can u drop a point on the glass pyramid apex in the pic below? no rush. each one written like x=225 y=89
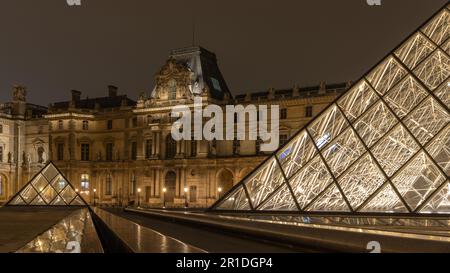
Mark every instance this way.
x=47 y=188
x=381 y=147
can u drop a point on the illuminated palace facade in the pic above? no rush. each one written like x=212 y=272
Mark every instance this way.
x=119 y=151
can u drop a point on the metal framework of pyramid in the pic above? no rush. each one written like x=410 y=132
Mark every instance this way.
x=47 y=188
x=381 y=147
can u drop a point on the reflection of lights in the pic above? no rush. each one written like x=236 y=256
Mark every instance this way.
x=323 y=140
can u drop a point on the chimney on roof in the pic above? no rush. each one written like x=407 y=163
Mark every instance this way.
x=322 y=88
x=112 y=91
x=76 y=95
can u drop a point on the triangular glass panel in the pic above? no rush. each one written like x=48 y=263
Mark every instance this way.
x=264 y=182
x=361 y=180
x=415 y=50
x=417 y=180
x=78 y=202
x=327 y=126
x=440 y=202
x=438 y=28
x=38 y=201
x=58 y=201
x=310 y=181
x=236 y=201
x=386 y=75
x=357 y=100
x=434 y=70
x=427 y=120
x=386 y=201
x=439 y=149
x=330 y=200
x=48 y=183
x=282 y=201
x=17 y=201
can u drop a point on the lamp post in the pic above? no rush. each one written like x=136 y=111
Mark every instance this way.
x=185 y=197
x=164 y=197
x=220 y=191
x=139 y=197
x=95 y=190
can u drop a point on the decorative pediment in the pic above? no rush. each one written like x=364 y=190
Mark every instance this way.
x=174 y=70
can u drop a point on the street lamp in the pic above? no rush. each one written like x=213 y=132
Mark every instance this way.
x=220 y=191
x=185 y=197
x=95 y=190
x=164 y=197
x=139 y=197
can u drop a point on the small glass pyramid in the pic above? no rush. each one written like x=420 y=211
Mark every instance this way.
x=381 y=147
x=47 y=188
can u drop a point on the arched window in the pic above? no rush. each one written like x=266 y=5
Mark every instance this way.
x=172 y=90
x=171 y=147
x=108 y=184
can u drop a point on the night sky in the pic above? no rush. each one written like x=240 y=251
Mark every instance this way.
x=52 y=48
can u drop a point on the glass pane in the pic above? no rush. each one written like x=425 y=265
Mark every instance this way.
x=281 y=201
x=357 y=100
x=264 y=181
x=236 y=201
x=446 y=46
x=440 y=202
x=386 y=201
x=418 y=180
x=361 y=181
x=439 y=149
x=443 y=92
x=38 y=201
x=386 y=75
x=405 y=96
x=17 y=201
x=427 y=120
x=50 y=172
x=327 y=126
x=77 y=202
x=310 y=181
x=394 y=150
x=375 y=124
x=343 y=151
x=68 y=194
x=39 y=183
x=434 y=70
x=48 y=194
x=330 y=200
x=297 y=153
x=415 y=50
x=59 y=183
x=28 y=194
x=438 y=28
x=58 y=201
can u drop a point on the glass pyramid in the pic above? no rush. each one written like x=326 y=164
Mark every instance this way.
x=47 y=188
x=381 y=147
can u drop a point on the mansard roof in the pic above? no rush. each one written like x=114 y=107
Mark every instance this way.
x=90 y=103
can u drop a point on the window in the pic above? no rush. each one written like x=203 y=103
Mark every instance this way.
x=133 y=150
x=133 y=184
x=171 y=147
x=148 y=148
x=258 y=145
x=134 y=122
x=308 y=111
x=1 y=129
x=108 y=185
x=84 y=182
x=1 y=184
x=283 y=113
x=193 y=148
x=85 y=125
x=283 y=139
x=84 y=152
x=109 y=124
x=60 y=151
x=60 y=124
x=109 y=151
x=172 y=90
x=1 y=154
x=236 y=146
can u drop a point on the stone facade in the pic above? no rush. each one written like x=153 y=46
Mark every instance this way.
x=118 y=151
